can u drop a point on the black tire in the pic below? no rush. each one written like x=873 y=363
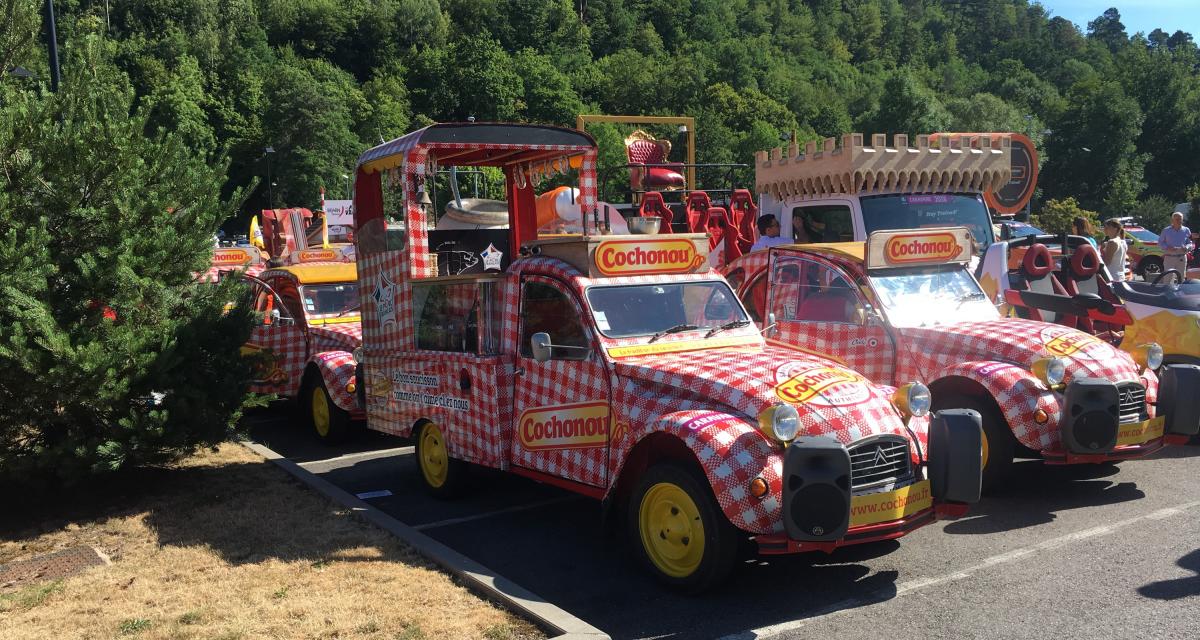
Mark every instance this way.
x=1150 y=266
x=331 y=424
x=442 y=477
x=720 y=538
x=999 y=441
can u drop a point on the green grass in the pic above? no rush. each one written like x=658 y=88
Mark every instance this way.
x=133 y=625
x=191 y=617
x=30 y=596
x=413 y=632
x=499 y=632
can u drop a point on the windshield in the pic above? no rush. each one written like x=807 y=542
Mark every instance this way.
x=1143 y=235
x=927 y=296
x=646 y=310
x=331 y=299
x=929 y=210
x=1019 y=229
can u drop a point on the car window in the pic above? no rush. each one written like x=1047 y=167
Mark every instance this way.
x=822 y=223
x=807 y=291
x=447 y=316
x=546 y=309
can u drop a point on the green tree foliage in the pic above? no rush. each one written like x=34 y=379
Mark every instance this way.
x=224 y=75
x=1154 y=213
x=1058 y=216
x=110 y=354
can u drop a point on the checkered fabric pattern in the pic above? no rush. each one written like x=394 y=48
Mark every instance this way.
x=651 y=389
x=289 y=352
x=997 y=354
x=344 y=336
x=337 y=370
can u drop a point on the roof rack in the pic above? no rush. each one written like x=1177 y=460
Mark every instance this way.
x=967 y=163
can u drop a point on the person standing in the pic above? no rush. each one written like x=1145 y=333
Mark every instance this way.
x=1084 y=228
x=768 y=232
x=1176 y=243
x=1113 y=249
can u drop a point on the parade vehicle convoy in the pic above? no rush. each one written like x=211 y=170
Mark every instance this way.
x=1061 y=279
x=622 y=368
x=904 y=306
x=308 y=329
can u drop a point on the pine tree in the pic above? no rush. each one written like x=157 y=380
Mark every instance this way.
x=111 y=354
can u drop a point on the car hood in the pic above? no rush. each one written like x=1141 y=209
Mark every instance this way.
x=832 y=400
x=1016 y=341
x=341 y=336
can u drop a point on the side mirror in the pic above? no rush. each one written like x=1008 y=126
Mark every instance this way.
x=770 y=324
x=275 y=316
x=539 y=344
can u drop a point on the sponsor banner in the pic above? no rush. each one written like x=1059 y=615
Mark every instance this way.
x=891 y=505
x=889 y=249
x=1059 y=342
x=708 y=420
x=231 y=257
x=806 y=383
x=1141 y=432
x=681 y=345
x=339 y=212
x=316 y=255
x=643 y=257
x=569 y=426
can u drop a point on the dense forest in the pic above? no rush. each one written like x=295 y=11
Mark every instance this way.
x=1116 y=115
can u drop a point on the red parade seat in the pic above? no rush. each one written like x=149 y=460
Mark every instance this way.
x=698 y=205
x=1036 y=273
x=643 y=148
x=653 y=205
x=745 y=214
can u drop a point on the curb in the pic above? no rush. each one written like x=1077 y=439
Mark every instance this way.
x=480 y=579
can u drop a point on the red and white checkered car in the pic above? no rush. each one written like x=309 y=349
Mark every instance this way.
x=309 y=332
x=1061 y=393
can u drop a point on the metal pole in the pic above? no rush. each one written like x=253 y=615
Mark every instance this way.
x=270 y=186
x=52 y=45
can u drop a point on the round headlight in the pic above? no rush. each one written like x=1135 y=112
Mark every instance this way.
x=1052 y=371
x=785 y=422
x=358 y=355
x=1154 y=355
x=919 y=399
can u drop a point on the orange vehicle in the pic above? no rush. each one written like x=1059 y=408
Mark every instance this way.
x=622 y=368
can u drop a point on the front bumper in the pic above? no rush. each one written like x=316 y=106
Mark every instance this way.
x=778 y=544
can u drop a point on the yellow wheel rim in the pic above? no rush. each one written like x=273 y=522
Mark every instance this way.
x=984 y=454
x=320 y=412
x=433 y=459
x=671 y=530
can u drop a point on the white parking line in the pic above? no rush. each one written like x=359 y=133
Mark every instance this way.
x=919 y=584
x=362 y=455
x=480 y=516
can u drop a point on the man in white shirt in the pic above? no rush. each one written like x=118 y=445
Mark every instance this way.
x=768 y=233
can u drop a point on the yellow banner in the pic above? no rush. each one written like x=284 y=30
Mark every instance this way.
x=892 y=505
x=681 y=345
x=1140 y=432
x=571 y=426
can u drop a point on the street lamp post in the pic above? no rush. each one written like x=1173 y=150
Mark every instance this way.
x=268 y=151
x=346 y=177
x=52 y=45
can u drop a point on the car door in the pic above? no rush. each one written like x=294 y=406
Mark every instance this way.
x=278 y=343
x=818 y=308
x=561 y=406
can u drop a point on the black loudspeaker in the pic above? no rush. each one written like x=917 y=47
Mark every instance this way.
x=1178 y=399
x=955 y=455
x=1090 y=416
x=816 y=490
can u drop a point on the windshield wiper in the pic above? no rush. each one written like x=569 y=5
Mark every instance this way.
x=675 y=329
x=732 y=324
x=968 y=297
x=351 y=307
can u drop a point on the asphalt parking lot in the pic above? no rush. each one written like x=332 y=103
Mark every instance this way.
x=1101 y=551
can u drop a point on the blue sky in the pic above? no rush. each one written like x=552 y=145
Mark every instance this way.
x=1136 y=15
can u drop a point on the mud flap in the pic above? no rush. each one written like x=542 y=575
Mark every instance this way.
x=816 y=489
x=1178 y=399
x=955 y=455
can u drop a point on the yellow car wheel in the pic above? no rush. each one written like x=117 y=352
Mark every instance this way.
x=440 y=474
x=329 y=422
x=683 y=535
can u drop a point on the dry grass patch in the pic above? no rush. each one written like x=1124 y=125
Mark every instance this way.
x=225 y=545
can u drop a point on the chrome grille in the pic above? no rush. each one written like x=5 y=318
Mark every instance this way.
x=880 y=460
x=1132 y=396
